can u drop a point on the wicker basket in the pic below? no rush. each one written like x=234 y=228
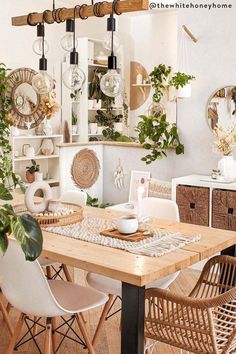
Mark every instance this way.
x=193 y=203
x=52 y=220
x=224 y=209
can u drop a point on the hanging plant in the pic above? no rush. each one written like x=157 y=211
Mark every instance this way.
x=159 y=80
x=180 y=80
x=24 y=228
x=157 y=135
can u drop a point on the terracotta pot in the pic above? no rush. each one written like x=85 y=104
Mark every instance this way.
x=30 y=177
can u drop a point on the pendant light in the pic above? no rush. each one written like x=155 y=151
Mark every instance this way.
x=107 y=41
x=74 y=78
x=38 y=44
x=111 y=83
x=67 y=42
x=42 y=83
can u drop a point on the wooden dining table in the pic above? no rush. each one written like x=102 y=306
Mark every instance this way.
x=135 y=271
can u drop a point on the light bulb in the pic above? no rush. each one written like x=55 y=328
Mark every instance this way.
x=38 y=46
x=107 y=41
x=67 y=42
x=111 y=83
x=42 y=83
x=73 y=78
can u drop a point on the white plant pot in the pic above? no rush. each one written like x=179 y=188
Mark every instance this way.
x=39 y=184
x=184 y=92
x=100 y=130
x=227 y=167
x=119 y=127
x=74 y=129
x=93 y=127
x=47 y=127
x=97 y=104
x=90 y=104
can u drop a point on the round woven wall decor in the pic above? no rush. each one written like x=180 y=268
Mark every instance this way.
x=85 y=168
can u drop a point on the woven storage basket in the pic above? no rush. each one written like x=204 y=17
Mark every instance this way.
x=51 y=220
x=193 y=203
x=224 y=209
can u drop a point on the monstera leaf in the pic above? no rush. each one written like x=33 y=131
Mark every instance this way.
x=3 y=242
x=27 y=232
x=5 y=193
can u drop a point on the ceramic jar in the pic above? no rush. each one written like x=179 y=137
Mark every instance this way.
x=39 y=184
x=227 y=167
x=47 y=127
x=47 y=147
x=93 y=127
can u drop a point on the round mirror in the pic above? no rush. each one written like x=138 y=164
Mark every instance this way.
x=27 y=106
x=25 y=99
x=221 y=108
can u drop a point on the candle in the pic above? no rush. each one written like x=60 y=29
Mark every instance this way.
x=141 y=191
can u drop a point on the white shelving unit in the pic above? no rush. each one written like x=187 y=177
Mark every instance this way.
x=49 y=164
x=86 y=115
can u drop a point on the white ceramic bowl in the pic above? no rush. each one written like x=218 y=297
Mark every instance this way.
x=127 y=224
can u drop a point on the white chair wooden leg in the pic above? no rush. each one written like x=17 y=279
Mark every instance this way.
x=16 y=334
x=85 y=334
x=102 y=319
x=6 y=318
x=48 y=337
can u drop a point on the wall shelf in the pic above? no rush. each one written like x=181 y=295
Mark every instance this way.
x=37 y=157
x=141 y=85
x=19 y=137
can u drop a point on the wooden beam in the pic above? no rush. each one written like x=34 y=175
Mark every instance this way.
x=106 y=9
x=189 y=33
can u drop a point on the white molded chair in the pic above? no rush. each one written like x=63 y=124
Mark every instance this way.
x=152 y=207
x=26 y=288
x=73 y=196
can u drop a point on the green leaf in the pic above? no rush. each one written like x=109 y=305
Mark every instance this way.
x=27 y=232
x=4 y=221
x=3 y=242
x=5 y=193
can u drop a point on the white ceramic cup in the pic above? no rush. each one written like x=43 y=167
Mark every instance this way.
x=127 y=224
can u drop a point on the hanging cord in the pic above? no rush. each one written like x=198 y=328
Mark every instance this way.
x=81 y=10
x=115 y=3
x=183 y=53
x=29 y=19
x=77 y=7
x=97 y=8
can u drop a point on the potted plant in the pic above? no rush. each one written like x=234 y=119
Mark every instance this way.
x=118 y=123
x=181 y=82
x=157 y=135
x=24 y=228
x=31 y=170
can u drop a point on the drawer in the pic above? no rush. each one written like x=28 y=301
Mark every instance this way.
x=193 y=203
x=224 y=209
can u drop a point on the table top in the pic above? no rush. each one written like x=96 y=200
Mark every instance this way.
x=134 y=269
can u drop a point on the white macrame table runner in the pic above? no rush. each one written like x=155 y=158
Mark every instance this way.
x=89 y=230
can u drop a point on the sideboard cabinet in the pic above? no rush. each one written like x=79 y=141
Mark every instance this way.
x=206 y=202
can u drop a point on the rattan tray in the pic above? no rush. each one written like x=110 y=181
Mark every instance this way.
x=52 y=220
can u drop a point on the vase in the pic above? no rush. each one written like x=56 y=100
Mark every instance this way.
x=90 y=104
x=119 y=127
x=184 y=92
x=47 y=127
x=37 y=185
x=47 y=147
x=227 y=167
x=74 y=129
x=93 y=127
x=30 y=177
x=97 y=104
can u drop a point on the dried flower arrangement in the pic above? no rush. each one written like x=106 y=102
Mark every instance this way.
x=50 y=106
x=225 y=140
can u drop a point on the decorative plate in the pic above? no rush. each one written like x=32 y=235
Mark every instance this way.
x=85 y=168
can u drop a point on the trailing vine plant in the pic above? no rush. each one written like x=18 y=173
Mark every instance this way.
x=24 y=228
x=157 y=135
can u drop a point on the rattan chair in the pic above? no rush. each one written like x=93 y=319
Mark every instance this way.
x=203 y=322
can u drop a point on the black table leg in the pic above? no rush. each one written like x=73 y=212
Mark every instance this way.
x=231 y=251
x=132 y=319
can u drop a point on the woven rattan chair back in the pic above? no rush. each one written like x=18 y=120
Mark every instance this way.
x=203 y=322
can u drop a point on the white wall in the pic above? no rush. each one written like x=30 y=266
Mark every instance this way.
x=212 y=61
